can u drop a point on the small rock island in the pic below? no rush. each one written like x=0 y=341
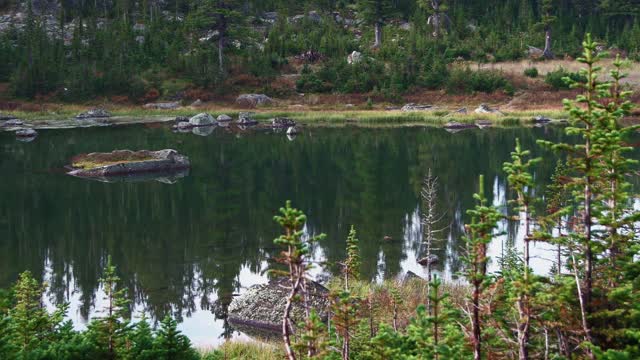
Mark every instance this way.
x=127 y=162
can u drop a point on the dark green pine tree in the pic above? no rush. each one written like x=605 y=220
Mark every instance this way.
x=377 y=13
x=484 y=221
x=223 y=20
x=170 y=344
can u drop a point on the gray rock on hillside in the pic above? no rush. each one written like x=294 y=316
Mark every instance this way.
x=202 y=119
x=97 y=113
x=253 y=100
x=417 y=107
x=485 y=109
x=163 y=106
x=262 y=306
x=354 y=58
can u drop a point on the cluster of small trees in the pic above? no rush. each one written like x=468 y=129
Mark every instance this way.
x=29 y=331
x=586 y=308
x=134 y=48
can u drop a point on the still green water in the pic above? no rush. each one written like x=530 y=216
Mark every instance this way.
x=184 y=248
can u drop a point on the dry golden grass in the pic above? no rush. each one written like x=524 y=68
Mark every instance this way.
x=544 y=67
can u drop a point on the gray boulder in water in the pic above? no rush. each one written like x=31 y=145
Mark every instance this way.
x=224 y=118
x=253 y=100
x=262 y=306
x=94 y=114
x=246 y=119
x=202 y=119
x=13 y=122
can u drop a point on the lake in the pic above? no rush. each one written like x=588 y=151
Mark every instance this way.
x=182 y=247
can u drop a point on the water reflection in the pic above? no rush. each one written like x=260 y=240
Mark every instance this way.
x=184 y=249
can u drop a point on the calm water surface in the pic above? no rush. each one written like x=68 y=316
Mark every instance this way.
x=183 y=248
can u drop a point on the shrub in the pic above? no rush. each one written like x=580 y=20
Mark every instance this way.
x=467 y=81
x=531 y=72
x=556 y=78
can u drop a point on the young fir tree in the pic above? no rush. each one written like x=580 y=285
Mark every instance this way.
x=521 y=182
x=170 y=344
x=484 y=221
x=109 y=333
x=295 y=256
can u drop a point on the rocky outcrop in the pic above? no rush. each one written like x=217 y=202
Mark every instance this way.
x=126 y=162
x=262 y=306
x=97 y=113
x=163 y=106
x=253 y=100
x=417 y=107
x=354 y=58
x=202 y=119
x=485 y=109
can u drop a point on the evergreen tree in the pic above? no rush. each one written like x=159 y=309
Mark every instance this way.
x=170 y=344
x=376 y=13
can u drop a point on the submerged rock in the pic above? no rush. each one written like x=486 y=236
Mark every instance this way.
x=127 y=162
x=26 y=133
x=262 y=306
x=484 y=124
x=96 y=113
x=202 y=119
x=246 y=119
x=283 y=123
x=294 y=130
x=454 y=125
x=253 y=100
x=539 y=119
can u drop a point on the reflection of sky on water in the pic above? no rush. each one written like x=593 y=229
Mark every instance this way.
x=179 y=247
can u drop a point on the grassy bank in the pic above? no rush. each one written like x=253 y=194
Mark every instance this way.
x=324 y=117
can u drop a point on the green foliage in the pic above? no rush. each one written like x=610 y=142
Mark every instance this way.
x=531 y=72
x=468 y=81
x=557 y=78
x=170 y=344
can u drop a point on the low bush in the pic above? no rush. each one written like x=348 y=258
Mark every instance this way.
x=556 y=79
x=465 y=80
x=531 y=72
